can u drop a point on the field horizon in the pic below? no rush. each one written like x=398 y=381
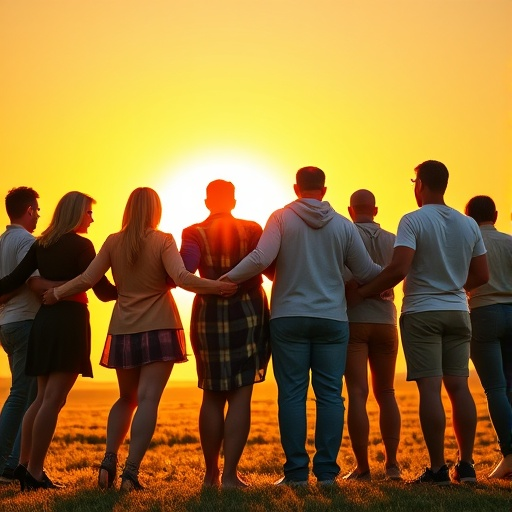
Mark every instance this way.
x=172 y=469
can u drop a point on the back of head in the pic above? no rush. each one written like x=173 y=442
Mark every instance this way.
x=433 y=174
x=220 y=195
x=67 y=216
x=482 y=209
x=363 y=202
x=18 y=200
x=310 y=178
x=143 y=211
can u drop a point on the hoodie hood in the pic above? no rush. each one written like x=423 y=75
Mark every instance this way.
x=316 y=214
x=370 y=229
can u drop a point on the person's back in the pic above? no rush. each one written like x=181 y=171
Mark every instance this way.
x=440 y=253
x=491 y=322
x=229 y=336
x=373 y=343
x=315 y=244
x=311 y=245
x=16 y=318
x=444 y=241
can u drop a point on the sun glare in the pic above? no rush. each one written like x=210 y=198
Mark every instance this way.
x=259 y=190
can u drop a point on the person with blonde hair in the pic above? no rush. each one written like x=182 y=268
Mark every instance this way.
x=145 y=336
x=60 y=339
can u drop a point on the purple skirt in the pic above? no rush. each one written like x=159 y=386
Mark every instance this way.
x=132 y=350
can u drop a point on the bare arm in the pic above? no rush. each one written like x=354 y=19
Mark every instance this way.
x=391 y=275
x=39 y=285
x=478 y=273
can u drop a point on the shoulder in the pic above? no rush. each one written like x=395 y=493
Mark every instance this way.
x=248 y=225
x=158 y=237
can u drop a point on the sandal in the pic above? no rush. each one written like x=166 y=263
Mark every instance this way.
x=108 y=471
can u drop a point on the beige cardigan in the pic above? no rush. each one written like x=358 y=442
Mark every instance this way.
x=144 y=300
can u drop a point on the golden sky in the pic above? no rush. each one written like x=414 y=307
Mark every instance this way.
x=103 y=96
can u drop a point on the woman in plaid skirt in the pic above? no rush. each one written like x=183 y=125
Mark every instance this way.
x=229 y=335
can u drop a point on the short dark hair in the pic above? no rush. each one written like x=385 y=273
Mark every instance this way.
x=18 y=200
x=433 y=174
x=310 y=178
x=220 y=189
x=481 y=208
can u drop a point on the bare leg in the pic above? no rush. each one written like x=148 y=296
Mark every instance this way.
x=236 y=432
x=121 y=413
x=356 y=379
x=56 y=391
x=211 y=432
x=28 y=421
x=152 y=381
x=464 y=415
x=383 y=375
x=432 y=419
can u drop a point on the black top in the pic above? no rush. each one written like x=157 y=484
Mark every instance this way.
x=61 y=261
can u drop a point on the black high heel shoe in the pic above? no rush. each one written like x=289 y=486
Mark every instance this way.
x=19 y=474
x=31 y=484
x=50 y=484
x=108 y=471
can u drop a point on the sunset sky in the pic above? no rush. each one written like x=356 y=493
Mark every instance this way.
x=103 y=96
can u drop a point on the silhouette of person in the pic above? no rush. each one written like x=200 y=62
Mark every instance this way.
x=230 y=336
x=311 y=245
x=440 y=253
x=491 y=322
x=60 y=339
x=374 y=341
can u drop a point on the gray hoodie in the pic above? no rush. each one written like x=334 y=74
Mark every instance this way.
x=311 y=244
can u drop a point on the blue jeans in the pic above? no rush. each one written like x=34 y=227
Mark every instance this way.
x=300 y=345
x=14 y=340
x=491 y=353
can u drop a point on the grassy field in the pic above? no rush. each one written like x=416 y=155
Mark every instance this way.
x=172 y=468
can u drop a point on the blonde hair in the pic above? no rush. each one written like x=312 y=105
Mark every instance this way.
x=67 y=217
x=142 y=213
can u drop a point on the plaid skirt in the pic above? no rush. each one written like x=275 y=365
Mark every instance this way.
x=231 y=339
x=132 y=350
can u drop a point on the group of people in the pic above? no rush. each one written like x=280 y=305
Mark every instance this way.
x=332 y=314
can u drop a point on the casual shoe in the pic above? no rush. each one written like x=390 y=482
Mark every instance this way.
x=365 y=476
x=288 y=481
x=327 y=483
x=393 y=473
x=503 y=469
x=440 y=477
x=464 y=472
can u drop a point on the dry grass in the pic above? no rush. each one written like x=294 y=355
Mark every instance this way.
x=172 y=468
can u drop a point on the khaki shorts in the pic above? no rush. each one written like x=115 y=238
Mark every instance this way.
x=436 y=343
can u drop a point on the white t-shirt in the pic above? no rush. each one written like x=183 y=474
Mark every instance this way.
x=14 y=244
x=445 y=241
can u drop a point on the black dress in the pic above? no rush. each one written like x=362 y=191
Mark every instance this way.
x=60 y=339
